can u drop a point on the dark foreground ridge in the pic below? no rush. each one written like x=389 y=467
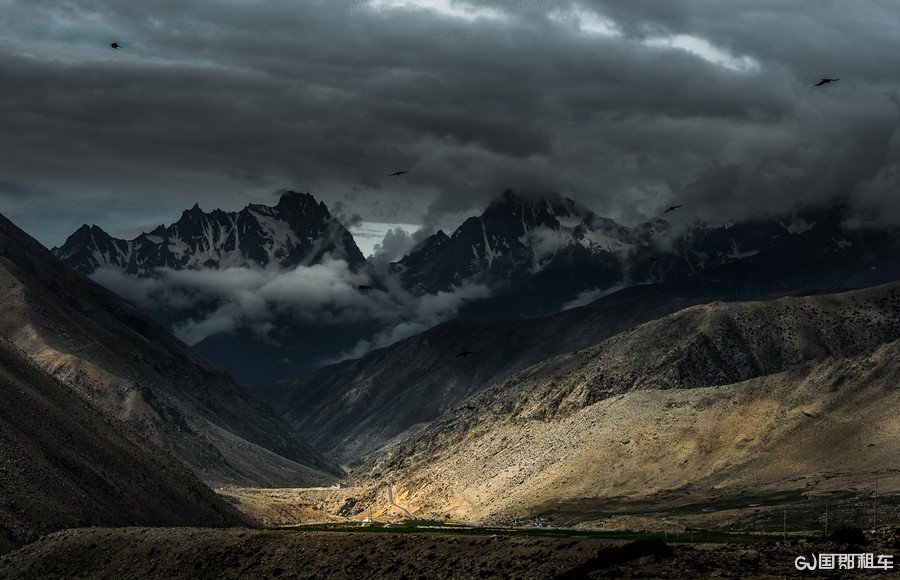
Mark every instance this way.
x=241 y=553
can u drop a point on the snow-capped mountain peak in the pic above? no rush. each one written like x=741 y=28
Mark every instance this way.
x=297 y=230
x=517 y=235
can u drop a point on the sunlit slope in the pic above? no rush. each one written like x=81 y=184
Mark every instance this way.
x=713 y=400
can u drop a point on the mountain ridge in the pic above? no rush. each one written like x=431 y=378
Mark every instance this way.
x=371 y=415
x=65 y=463
x=101 y=346
x=298 y=230
x=714 y=378
x=514 y=236
x=356 y=407
x=537 y=255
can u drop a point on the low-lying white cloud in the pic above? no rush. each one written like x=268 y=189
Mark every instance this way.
x=209 y=302
x=586 y=297
x=545 y=243
x=429 y=310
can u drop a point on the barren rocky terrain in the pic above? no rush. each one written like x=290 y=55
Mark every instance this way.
x=240 y=553
x=65 y=463
x=707 y=405
x=356 y=408
x=674 y=418
x=292 y=506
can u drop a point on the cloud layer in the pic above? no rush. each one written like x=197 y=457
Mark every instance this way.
x=207 y=302
x=625 y=106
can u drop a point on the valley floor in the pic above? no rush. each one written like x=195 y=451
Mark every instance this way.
x=821 y=504
x=246 y=553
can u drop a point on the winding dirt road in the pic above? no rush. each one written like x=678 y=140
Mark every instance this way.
x=390 y=489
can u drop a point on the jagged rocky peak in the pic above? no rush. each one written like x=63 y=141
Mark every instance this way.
x=431 y=244
x=86 y=233
x=297 y=230
x=549 y=221
x=303 y=202
x=534 y=207
x=518 y=234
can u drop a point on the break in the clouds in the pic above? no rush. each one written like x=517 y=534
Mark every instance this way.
x=384 y=242
x=625 y=106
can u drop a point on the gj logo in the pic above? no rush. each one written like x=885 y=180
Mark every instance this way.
x=845 y=562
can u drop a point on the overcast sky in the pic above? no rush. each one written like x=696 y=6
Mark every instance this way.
x=625 y=106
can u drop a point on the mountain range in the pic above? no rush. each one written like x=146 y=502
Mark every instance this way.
x=733 y=369
x=516 y=237
x=535 y=254
x=361 y=407
x=813 y=248
x=358 y=408
x=297 y=230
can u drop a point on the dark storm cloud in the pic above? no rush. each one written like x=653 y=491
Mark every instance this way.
x=626 y=106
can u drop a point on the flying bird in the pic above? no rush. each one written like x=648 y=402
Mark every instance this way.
x=825 y=82
x=465 y=354
x=396 y=173
x=363 y=287
x=114 y=45
x=673 y=208
x=807 y=414
x=654 y=258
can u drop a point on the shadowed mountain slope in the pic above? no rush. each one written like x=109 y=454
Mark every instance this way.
x=65 y=463
x=103 y=347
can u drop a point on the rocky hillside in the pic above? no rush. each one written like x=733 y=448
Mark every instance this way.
x=357 y=407
x=704 y=405
x=100 y=345
x=64 y=463
x=297 y=230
